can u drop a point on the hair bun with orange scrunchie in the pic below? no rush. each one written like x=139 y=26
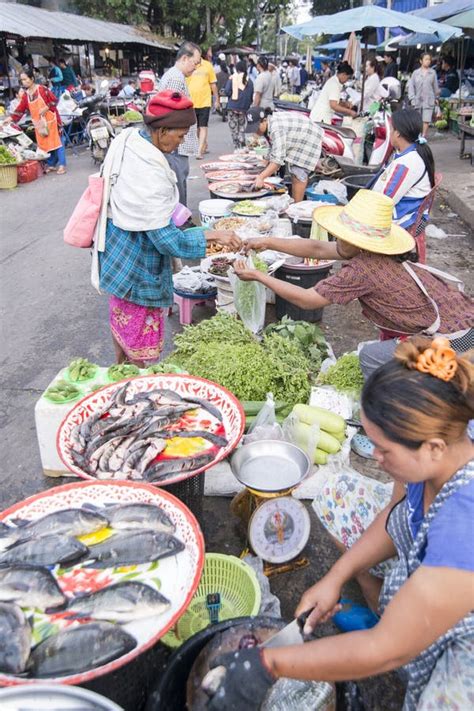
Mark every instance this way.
x=438 y=360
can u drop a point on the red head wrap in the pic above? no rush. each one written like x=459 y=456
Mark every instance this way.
x=170 y=109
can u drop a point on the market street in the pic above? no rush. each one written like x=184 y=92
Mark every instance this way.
x=51 y=314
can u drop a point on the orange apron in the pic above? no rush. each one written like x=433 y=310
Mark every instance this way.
x=53 y=140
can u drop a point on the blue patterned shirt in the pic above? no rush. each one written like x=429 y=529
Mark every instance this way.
x=136 y=266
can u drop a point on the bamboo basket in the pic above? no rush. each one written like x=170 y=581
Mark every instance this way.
x=8 y=176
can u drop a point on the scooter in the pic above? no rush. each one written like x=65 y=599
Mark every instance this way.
x=224 y=100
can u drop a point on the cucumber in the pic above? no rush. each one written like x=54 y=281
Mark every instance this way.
x=320 y=457
x=328 y=421
x=253 y=407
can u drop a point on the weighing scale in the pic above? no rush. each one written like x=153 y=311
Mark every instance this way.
x=278 y=526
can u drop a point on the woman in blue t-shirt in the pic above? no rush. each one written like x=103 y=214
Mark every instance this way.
x=416 y=410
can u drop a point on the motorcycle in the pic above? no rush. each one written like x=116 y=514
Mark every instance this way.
x=224 y=100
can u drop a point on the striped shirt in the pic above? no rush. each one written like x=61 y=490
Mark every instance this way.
x=136 y=266
x=294 y=140
x=405 y=180
x=174 y=80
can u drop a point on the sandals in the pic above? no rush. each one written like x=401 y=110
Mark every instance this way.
x=50 y=169
x=61 y=170
x=361 y=445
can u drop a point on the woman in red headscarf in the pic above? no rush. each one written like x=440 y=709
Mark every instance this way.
x=137 y=237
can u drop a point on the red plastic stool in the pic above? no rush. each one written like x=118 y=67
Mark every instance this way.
x=187 y=302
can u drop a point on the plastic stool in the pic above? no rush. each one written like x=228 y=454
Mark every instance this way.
x=186 y=304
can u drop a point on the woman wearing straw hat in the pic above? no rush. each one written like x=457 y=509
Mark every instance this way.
x=400 y=298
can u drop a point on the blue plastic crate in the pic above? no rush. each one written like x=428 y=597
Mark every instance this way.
x=312 y=194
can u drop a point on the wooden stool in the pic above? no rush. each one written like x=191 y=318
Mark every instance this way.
x=186 y=302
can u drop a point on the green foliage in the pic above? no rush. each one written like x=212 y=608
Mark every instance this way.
x=330 y=7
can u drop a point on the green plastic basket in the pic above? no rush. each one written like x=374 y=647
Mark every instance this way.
x=240 y=594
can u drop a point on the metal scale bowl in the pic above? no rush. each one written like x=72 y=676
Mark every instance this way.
x=278 y=526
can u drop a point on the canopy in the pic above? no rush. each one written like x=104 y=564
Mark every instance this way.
x=26 y=21
x=369 y=16
x=464 y=20
x=341 y=44
x=443 y=10
x=415 y=38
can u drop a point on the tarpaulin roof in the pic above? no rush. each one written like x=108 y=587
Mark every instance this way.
x=26 y=21
x=369 y=16
x=443 y=10
x=340 y=44
x=464 y=20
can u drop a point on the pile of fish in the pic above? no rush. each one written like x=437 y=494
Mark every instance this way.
x=124 y=439
x=138 y=533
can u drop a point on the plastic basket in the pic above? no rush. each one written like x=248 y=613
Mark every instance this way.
x=8 y=176
x=238 y=587
x=28 y=171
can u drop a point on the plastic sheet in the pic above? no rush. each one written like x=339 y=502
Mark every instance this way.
x=249 y=300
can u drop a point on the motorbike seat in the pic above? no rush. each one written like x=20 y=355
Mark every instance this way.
x=341 y=130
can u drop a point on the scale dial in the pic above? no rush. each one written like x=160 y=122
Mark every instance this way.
x=279 y=529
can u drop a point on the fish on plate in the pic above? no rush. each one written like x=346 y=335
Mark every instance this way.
x=30 y=586
x=167 y=468
x=15 y=639
x=79 y=649
x=141 y=516
x=72 y=522
x=133 y=548
x=48 y=550
x=122 y=603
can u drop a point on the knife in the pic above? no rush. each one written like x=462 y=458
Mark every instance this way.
x=291 y=634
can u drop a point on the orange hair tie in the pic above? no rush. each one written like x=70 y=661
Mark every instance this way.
x=439 y=360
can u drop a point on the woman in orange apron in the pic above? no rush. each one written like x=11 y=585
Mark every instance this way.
x=41 y=103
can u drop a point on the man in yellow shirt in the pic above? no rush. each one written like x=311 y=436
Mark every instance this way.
x=202 y=86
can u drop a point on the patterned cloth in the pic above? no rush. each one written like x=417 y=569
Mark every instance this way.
x=392 y=300
x=137 y=265
x=138 y=330
x=410 y=553
x=175 y=80
x=237 y=123
x=294 y=139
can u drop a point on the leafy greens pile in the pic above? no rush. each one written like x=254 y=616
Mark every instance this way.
x=345 y=375
x=223 y=350
x=307 y=336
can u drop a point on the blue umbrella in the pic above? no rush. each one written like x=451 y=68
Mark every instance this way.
x=341 y=44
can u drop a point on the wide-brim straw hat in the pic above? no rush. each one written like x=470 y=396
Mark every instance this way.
x=366 y=222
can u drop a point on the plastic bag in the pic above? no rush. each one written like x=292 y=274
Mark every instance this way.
x=292 y=432
x=333 y=187
x=265 y=425
x=192 y=280
x=42 y=127
x=249 y=300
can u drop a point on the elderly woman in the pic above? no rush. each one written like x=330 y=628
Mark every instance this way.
x=423 y=90
x=140 y=236
x=416 y=409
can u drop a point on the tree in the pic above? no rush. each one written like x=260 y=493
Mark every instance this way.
x=330 y=7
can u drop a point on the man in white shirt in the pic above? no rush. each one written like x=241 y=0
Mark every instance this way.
x=328 y=102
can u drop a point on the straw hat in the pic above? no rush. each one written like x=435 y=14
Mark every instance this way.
x=366 y=222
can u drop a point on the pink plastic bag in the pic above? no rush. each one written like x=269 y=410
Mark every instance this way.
x=79 y=231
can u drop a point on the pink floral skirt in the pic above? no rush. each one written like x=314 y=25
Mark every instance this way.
x=139 y=330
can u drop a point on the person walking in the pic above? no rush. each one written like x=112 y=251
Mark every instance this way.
x=187 y=59
x=41 y=103
x=263 y=88
x=55 y=77
x=136 y=236
x=423 y=90
x=239 y=89
x=329 y=99
x=202 y=86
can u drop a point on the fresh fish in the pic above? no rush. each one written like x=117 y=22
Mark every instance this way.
x=217 y=440
x=141 y=516
x=206 y=406
x=72 y=522
x=134 y=548
x=79 y=649
x=47 y=550
x=169 y=467
x=30 y=586
x=15 y=639
x=121 y=603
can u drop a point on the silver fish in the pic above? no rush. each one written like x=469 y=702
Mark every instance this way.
x=72 y=522
x=79 y=649
x=121 y=603
x=47 y=550
x=30 y=586
x=140 y=516
x=134 y=548
x=169 y=467
x=217 y=440
x=15 y=639
x=206 y=406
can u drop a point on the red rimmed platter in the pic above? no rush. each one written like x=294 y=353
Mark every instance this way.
x=233 y=418
x=176 y=577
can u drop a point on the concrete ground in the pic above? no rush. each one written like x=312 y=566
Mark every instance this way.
x=50 y=314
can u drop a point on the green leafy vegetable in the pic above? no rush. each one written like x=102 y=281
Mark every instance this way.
x=345 y=375
x=62 y=391
x=307 y=336
x=132 y=115
x=81 y=369
x=6 y=157
x=164 y=368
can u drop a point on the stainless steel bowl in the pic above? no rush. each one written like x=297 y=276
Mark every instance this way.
x=270 y=465
x=47 y=697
